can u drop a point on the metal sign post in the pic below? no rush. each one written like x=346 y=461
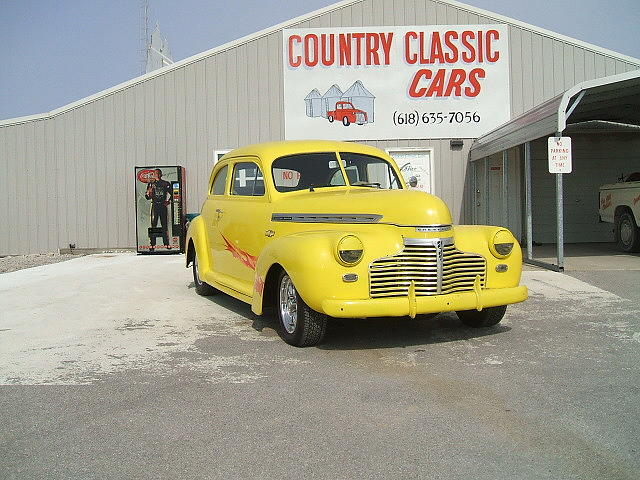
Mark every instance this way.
x=560 y=220
x=560 y=163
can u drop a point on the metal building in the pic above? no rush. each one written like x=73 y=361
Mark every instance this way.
x=66 y=175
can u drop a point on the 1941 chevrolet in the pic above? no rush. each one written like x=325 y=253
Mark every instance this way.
x=318 y=229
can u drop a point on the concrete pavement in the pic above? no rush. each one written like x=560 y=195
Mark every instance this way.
x=111 y=367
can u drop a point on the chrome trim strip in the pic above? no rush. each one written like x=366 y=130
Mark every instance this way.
x=445 y=242
x=432 y=228
x=439 y=264
x=326 y=217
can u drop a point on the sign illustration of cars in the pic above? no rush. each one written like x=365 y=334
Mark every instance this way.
x=346 y=113
x=310 y=230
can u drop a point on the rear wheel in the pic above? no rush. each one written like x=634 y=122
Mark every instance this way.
x=330 y=118
x=627 y=233
x=487 y=317
x=202 y=288
x=300 y=326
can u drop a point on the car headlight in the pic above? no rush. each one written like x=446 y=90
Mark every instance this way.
x=502 y=244
x=349 y=250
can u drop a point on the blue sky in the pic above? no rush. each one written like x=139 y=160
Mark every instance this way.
x=56 y=52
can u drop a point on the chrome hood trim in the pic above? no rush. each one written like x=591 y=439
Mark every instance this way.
x=432 y=228
x=326 y=217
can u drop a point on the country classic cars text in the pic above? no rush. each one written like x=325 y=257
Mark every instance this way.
x=430 y=51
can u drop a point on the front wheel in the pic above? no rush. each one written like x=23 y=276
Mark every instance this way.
x=487 y=317
x=627 y=233
x=345 y=121
x=300 y=326
x=202 y=288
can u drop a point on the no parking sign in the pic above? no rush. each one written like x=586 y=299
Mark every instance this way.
x=559 y=154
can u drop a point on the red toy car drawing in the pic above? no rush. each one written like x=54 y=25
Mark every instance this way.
x=347 y=114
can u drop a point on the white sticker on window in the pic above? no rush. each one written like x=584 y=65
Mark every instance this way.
x=284 y=177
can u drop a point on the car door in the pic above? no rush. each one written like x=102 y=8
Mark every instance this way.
x=242 y=224
x=213 y=205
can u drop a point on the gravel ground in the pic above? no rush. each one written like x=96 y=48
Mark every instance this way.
x=12 y=263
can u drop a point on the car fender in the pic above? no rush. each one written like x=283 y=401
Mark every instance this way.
x=309 y=258
x=197 y=236
x=476 y=239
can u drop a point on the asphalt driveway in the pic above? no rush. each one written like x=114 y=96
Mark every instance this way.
x=112 y=367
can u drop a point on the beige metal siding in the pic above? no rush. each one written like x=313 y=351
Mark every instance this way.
x=69 y=178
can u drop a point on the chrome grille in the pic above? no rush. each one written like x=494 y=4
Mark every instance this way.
x=434 y=265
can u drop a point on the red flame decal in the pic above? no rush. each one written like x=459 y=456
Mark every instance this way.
x=245 y=257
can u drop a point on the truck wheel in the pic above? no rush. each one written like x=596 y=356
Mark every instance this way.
x=345 y=121
x=627 y=233
x=300 y=326
x=486 y=318
x=330 y=118
x=202 y=288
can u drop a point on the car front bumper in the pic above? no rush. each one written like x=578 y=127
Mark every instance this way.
x=413 y=305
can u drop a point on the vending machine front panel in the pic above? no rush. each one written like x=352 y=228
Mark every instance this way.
x=159 y=209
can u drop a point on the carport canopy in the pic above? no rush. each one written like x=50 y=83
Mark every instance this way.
x=604 y=103
x=614 y=99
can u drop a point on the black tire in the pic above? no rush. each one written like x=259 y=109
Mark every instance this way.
x=330 y=118
x=299 y=325
x=627 y=233
x=487 y=317
x=202 y=288
x=345 y=121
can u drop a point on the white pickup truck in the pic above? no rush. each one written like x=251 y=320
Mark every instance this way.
x=620 y=205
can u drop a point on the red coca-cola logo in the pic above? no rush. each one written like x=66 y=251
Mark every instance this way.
x=146 y=176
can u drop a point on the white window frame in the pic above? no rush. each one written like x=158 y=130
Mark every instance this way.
x=431 y=151
x=218 y=154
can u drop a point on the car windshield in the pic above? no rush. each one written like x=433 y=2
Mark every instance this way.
x=304 y=171
x=369 y=171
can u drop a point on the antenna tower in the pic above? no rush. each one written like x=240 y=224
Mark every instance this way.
x=144 y=35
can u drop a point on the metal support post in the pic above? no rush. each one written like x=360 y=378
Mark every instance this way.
x=528 y=202
x=560 y=220
x=505 y=188
x=487 y=191
x=474 y=194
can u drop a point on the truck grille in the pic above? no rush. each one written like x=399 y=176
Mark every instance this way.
x=360 y=118
x=434 y=265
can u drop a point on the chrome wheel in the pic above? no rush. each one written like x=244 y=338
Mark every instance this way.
x=196 y=272
x=288 y=302
x=202 y=288
x=626 y=232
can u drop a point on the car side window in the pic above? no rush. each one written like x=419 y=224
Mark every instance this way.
x=248 y=180
x=220 y=181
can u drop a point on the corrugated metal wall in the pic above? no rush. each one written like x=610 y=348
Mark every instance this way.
x=69 y=179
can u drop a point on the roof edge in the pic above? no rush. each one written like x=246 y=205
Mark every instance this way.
x=275 y=28
x=542 y=31
x=596 y=82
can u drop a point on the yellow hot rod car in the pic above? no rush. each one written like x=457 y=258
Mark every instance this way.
x=318 y=229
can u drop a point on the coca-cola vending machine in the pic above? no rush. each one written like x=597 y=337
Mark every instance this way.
x=160 y=207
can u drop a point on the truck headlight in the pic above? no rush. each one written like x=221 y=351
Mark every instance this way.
x=502 y=244
x=349 y=250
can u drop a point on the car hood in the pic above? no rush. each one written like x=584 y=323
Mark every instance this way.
x=364 y=205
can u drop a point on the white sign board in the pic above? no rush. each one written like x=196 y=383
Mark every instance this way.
x=559 y=154
x=371 y=83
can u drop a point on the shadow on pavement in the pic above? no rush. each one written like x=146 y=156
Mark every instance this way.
x=372 y=333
